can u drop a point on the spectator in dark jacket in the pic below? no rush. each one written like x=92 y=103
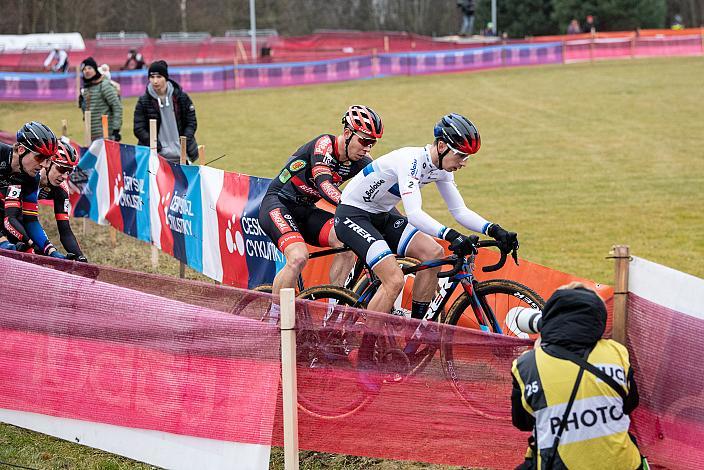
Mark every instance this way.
x=165 y=101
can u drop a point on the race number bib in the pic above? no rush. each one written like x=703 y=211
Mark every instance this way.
x=14 y=192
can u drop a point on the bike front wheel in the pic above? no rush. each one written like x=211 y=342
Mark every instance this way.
x=477 y=371
x=329 y=335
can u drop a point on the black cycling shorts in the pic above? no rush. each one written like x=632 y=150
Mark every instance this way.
x=287 y=222
x=373 y=237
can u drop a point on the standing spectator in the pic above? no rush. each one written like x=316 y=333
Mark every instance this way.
x=57 y=60
x=99 y=97
x=573 y=27
x=134 y=61
x=578 y=413
x=165 y=101
x=589 y=25
x=467 y=9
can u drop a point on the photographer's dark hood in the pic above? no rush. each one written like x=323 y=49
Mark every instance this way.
x=573 y=318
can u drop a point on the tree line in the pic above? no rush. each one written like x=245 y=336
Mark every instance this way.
x=517 y=18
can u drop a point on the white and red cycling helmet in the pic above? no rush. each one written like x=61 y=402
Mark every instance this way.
x=363 y=119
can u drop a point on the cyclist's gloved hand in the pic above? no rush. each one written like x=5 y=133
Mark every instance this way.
x=5 y=245
x=465 y=244
x=75 y=257
x=508 y=241
x=25 y=247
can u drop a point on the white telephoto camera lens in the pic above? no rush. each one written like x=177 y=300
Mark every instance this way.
x=523 y=321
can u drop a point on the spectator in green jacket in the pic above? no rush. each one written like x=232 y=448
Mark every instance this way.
x=99 y=97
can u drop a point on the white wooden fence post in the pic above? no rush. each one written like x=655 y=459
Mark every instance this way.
x=288 y=378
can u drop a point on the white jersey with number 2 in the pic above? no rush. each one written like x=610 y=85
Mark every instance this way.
x=399 y=176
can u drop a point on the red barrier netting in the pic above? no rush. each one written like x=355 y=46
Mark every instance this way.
x=449 y=407
x=74 y=347
x=447 y=403
x=666 y=352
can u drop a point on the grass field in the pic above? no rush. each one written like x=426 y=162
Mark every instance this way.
x=575 y=158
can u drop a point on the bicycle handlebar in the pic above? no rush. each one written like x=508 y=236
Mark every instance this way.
x=457 y=260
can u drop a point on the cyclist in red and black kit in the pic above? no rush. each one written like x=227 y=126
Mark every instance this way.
x=19 y=168
x=288 y=213
x=53 y=187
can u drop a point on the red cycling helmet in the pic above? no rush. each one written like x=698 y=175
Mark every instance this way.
x=363 y=119
x=65 y=156
x=37 y=138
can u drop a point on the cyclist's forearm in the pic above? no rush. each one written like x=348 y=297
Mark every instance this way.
x=459 y=210
x=470 y=219
x=68 y=239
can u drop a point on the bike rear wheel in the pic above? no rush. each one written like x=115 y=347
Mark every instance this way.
x=328 y=342
x=477 y=373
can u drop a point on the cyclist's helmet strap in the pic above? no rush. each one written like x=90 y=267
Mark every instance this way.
x=359 y=118
x=458 y=133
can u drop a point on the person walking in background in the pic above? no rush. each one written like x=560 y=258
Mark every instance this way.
x=467 y=9
x=573 y=27
x=589 y=25
x=57 y=60
x=175 y=114
x=135 y=61
x=99 y=97
x=578 y=412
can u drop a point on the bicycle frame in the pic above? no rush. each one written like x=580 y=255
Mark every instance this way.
x=446 y=286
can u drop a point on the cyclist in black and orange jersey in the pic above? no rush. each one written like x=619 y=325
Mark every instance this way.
x=19 y=169
x=288 y=214
x=53 y=187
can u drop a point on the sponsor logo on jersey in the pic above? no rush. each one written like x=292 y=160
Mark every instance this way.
x=414 y=168
x=297 y=165
x=372 y=190
x=398 y=223
x=323 y=146
x=67 y=206
x=330 y=191
x=284 y=176
x=279 y=221
x=359 y=231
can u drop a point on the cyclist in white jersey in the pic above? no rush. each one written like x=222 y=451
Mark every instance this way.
x=367 y=221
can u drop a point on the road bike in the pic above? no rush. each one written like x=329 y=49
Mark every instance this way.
x=334 y=338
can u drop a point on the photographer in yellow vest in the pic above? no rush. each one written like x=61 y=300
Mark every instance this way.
x=575 y=391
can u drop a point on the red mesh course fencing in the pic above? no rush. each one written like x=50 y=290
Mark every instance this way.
x=449 y=402
x=666 y=351
x=74 y=347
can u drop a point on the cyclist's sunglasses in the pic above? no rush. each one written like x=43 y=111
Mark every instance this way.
x=365 y=141
x=462 y=155
x=66 y=170
x=40 y=158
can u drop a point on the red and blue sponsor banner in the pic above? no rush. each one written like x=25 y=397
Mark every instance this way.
x=236 y=250
x=205 y=217
x=176 y=221
x=128 y=180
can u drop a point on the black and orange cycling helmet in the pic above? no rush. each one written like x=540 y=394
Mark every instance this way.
x=458 y=133
x=363 y=119
x=37 y=138
x=65 y=156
